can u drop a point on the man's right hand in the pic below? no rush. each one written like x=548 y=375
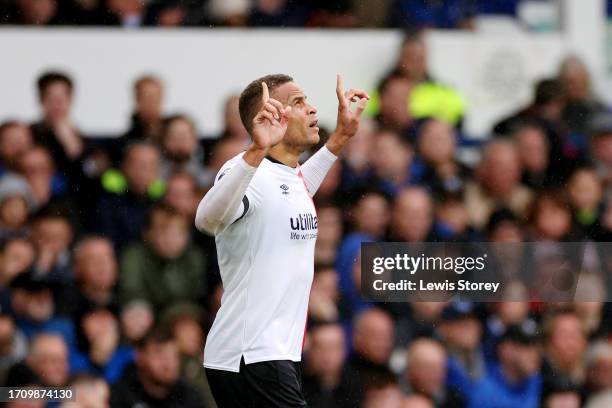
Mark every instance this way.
x=270 y=123
x=269 y=127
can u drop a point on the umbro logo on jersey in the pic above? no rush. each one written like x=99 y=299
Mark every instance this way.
x=285 y=188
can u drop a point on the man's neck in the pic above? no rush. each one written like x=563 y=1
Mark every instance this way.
x=284 y=154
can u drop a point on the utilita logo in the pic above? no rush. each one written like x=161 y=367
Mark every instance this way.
x=304 y=222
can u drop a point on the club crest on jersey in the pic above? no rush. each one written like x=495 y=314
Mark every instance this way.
x=304 y=222
x=285 y=188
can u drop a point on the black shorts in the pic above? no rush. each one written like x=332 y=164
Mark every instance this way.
x=275 y=383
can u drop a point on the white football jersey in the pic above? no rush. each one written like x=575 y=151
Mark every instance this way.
x=266 y=260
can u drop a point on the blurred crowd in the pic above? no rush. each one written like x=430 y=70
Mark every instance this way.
x=415 y=14
x=106 y=286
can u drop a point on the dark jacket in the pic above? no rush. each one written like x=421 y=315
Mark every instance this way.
x=128 y=392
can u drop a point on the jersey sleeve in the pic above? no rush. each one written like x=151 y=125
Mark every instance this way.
x=316 y=168
x=231 y=198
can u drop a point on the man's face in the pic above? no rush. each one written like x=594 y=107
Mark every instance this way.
x=160 y=362
x=180 y=141
x=56 y=100
x=567 y=341
x=374 y=338
x=526 y=358
x=327 y=350
x=302 y=130
x=54 y=234
x=96 y=265
x=14 y=141
x=49 y=360
x=141 y=168
x=149 y=101
x=413 y=60
x=463 y=334
x=168 y=235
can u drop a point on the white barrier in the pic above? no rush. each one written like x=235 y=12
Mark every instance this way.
x=202 y=67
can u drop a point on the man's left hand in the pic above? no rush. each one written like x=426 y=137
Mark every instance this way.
x=348 y=120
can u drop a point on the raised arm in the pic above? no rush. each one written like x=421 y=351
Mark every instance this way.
x=226 y=201
x=316 y=167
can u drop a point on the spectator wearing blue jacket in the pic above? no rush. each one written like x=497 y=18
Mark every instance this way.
x=100 y=352
x=33 y=308
x=515 y=381
x=461 y=333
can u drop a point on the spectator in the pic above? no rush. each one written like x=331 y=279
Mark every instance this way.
x=15 y=140
x=181 y=194
x=370 y=214
x=382 y=391
x=233 y=13
x=512 y=311
x=56 y=130
x=420 y=320
x=413 y=59
x=515 y=381
x=17 y=256
x=147 y=122
x=581 y=103
x=461 y=332
x=166 y=268
x=16 y=202
x=426 y=374
x=373 y=335
x=233 y=126
x=551 y=217
x=13 y=345
x=185 y=321
x=565 y=346
x=562 y=394
x=327 y=382
x=600 y=127
x=173 y=13
x=357 y=160
x=437 y=144
x=38 y=168
x=394 y=93
x=33 y=309
x=278 y=13
x=120 y=214
x=585 y=192
x=545 y=110
x=95 y=273
x=154 y=380
x=324 y=297
x=128 y=13
x=534 y=150
x=497 y=184
x=412 y=217
x=32 y=12
x=52 y=234
x=598 y=364
x=393 y=163
x=136 y=320
x=329 y=221
x=99 y=351
x=453 y=220
x=180 y=148
x=46 y=363
x=89 y=391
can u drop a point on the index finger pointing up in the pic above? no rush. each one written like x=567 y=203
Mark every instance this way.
x=339 y=92
x=265 y=93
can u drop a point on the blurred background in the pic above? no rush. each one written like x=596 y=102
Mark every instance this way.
x=490 y=121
